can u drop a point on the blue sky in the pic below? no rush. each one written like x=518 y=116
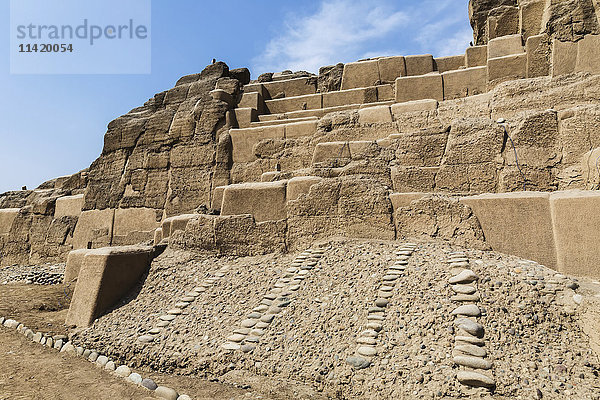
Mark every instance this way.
x=53 y=125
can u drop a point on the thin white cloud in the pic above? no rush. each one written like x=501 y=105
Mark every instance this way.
x=348 y=30
x=337 y=32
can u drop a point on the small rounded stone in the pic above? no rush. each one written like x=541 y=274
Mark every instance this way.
x=149 y=384
x=236 y=338
x=248 y=323
x=381 y=302
x=367 y=351
x=174 y=311
x=135 y=378
x=145 y=339
x=166 y=393
x=123 y=370
x=230 y=346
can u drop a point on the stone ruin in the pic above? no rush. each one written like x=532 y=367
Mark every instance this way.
x=496 y=148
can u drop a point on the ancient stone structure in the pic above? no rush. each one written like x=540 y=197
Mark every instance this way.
x=494 y=148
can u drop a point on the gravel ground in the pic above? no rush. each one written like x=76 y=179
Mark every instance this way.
x=46 y=274
x=530 y=314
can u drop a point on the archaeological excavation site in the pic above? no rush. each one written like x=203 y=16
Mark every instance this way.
x=400 y=227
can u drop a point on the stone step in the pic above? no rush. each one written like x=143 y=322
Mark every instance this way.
x=320 y=112
x=270 y=122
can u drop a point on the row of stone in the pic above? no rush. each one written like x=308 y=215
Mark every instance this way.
x=61 y=343
x=367 y=340
x=469 y=346
x=251 y=329
x=166 y=319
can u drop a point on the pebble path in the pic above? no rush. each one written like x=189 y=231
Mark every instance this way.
x=167 y=318
x=469 y=345
x=367 y=340
x=246 y=336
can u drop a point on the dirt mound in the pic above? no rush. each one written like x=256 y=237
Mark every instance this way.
x=532 y=335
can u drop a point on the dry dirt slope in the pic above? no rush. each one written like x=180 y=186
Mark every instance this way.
x=532 y=333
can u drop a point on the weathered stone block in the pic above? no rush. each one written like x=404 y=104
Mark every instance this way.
x=419 y=87
x=505 y=46
x=538 y=56
x=74 y=263
x=300 y=129
x=476 y=56
x=467 y=178
x=178 y=222
x=450 y=63
x=106 y=275
x=158 y=237
x=588 y=54
x=7 y=217
x=575 y=220
x=244 y=116
x=507 y=68
x=241 y=235
x=517 y=223
x=265 y=201
x=391 y=68
x=413 y=179
x=243 y=140
x=217 y=198
x=464 y=82
x=414 y=106
x=351 y=96
x=289 y=104
x=375 y=115
x=330 y=151
x=530 y=17
x=300 y=185
x=360 y=74
x=252 y=100
x=503 y=21
x=420 y=149
x=94 y=228
x=386 y=92
x=404 y=199
x=564 y=57
x=286 y=88
x=419 y=64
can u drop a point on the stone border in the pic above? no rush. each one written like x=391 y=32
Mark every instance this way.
x=366 y=342
x=166 y=319
x=246 y=337
x=60 y=343
x=469 y=345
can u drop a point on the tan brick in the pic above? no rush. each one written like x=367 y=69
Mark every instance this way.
x=588 y=54
x=360 y=74
x=476 y=56
x=7 y=217
x=419 y=87
x=106 y=275
x=244 y=116
x=374 y=115
x=464 y=82
x=94 y=227
x=391 y=68
x=505 y=46
x=300 y=129
x=517 y=223
x=564 y=57
x=419 y=64
x=243 y=140
x=68 y=206
x=351 y=96
x=300 y=185
x=266 y=201
x=538 y=53
x=507 y=68
x=450 y=63
x=289 y=104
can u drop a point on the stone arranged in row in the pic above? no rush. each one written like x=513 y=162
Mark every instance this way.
x=251 y=329
x=61 y=343
x=469 y=346
x=167 y=318
x=367 y=340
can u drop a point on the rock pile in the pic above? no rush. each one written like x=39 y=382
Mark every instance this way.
x=49 y=274
x=469 y=344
